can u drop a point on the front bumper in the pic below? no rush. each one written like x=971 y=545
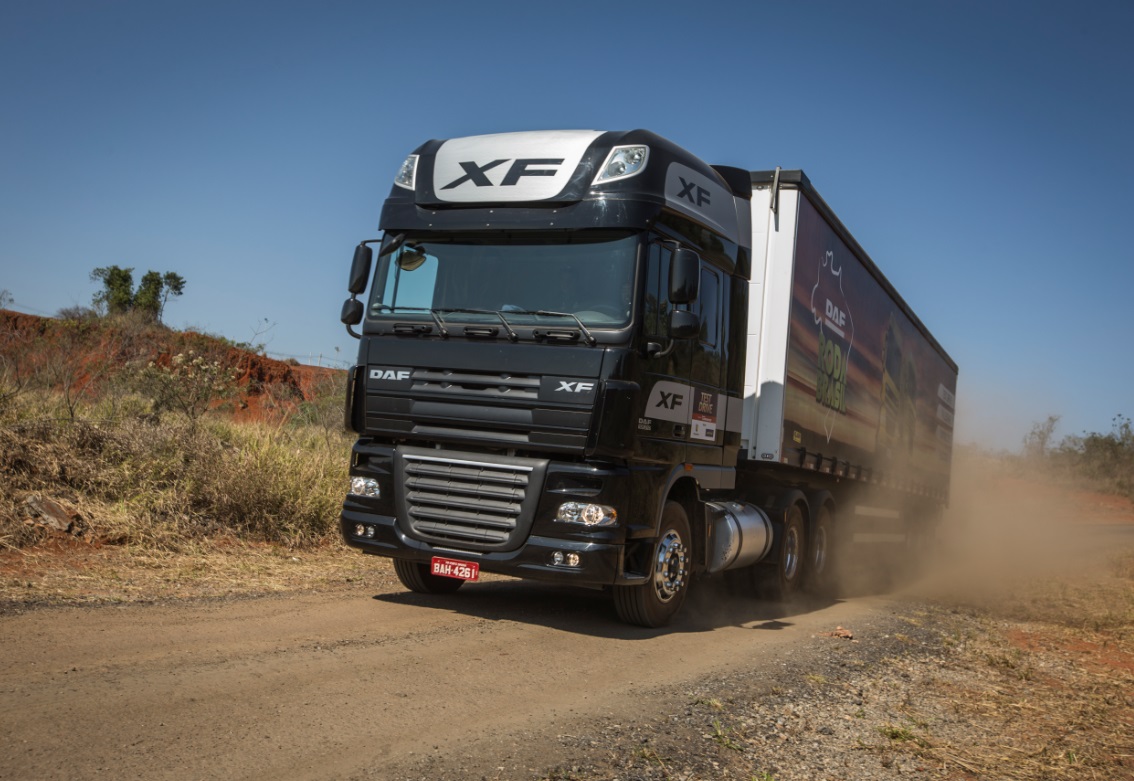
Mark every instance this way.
x=600 y=564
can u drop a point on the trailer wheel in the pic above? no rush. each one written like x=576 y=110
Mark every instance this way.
x=416 y=576
x=785 y=577
x=656 y=601
x=822 y=561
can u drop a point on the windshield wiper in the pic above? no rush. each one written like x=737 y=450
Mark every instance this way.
x=512 y=335
x=432 y=312
x=587 y=335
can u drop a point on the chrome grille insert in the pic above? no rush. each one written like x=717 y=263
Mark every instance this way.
x=475 y=504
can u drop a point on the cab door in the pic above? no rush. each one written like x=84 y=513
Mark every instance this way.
x=664 y=418
x=683 y=406
x=700 y=359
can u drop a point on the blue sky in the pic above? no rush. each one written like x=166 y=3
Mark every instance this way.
x=979 y=151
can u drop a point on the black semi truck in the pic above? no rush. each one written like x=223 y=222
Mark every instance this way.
x=591 y=358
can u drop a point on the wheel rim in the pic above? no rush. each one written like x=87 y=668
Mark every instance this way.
x=791 y=553
x=820 y=558
x=669 y=568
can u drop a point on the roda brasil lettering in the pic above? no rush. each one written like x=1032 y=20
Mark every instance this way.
x=831 y=384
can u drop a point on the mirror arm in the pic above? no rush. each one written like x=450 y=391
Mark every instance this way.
x=654 y=350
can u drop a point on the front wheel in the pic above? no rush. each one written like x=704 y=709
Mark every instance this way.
x=655 y=602
x=416 y=576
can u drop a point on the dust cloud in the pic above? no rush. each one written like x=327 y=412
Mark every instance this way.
x=1006 y=527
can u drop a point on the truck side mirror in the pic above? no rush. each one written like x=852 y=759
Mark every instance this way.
x=684 y=276
x=360 y=270
x=352 y=312
x=684 y=324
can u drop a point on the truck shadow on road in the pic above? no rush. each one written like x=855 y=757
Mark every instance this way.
x=709 y=606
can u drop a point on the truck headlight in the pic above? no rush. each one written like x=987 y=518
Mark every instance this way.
x=407 y=174
x=586 y=514
x=365 y=486
x=622 y=163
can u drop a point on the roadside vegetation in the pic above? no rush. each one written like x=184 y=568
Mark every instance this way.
x=116 y=430
x=1101 y=461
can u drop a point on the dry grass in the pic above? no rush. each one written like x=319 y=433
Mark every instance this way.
x=158 y=486
x=113 y=423
x=75 y=573
x=1046 y=672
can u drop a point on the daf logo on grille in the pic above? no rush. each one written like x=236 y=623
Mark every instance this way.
x=379 y=373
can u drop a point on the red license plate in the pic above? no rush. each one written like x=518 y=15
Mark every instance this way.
x=451 y=568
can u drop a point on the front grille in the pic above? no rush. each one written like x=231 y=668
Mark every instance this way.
x=479 y=409
x=444 y=382
x=465 y=502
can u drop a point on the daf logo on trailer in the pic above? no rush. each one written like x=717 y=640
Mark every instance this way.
x=476 y=173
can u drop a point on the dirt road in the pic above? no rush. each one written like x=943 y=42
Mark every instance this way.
x=326 y=686
x=497 y=681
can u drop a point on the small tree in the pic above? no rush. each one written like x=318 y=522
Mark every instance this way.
x=117 y=294
x=172 y=285
x=119 y=297
x=1038 y=441
x=147 y=299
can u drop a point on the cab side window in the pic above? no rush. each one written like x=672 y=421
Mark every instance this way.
x=708 y=306
x=656 y=309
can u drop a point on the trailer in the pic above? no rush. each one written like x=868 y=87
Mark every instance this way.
x=591 y=358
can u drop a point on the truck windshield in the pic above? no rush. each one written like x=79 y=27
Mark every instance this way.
x=588 y=275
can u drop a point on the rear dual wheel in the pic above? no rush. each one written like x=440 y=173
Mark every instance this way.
x=820 y=576
x=791 y=557
x=783 y=574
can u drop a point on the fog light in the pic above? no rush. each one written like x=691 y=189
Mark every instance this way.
x=557 y=558
x=364 y=530
x=586 y=514
x=572 y=559
x=365 y=486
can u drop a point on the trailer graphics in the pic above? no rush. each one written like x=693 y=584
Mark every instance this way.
x=836 y=338
x=591 y=358
x=857 y=404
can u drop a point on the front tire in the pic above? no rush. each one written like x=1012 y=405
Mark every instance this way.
x=416 y=576
x=655 y=602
